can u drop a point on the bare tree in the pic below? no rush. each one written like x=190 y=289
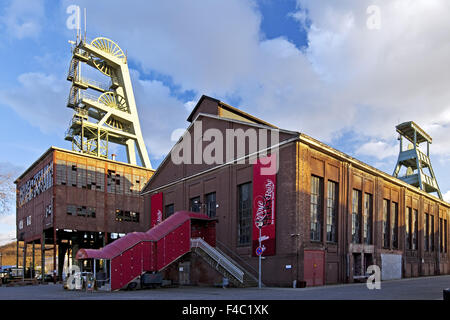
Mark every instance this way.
x=7 y=191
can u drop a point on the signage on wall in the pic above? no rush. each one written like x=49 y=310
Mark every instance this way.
x=156 y=203
x=264 y=208
x=40 y=182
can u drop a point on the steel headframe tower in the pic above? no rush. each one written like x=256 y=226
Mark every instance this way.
x=109 y=116
x=415 y=160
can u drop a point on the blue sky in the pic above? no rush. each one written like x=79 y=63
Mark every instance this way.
x=312 y=66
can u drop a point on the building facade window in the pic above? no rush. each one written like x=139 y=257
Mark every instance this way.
x=80 y=211
x=210 y=199
x=169 y=210
x=394 y=225
x=244 y=214
x=408 y=228
x=48 y=210
x=332 y=211
x=28 y=220
x=368 y=218
x=356 y=216
x=426 y=232
x=442 y=235
x=445 y=236
x=195 y=204
x=20 y=224
x=385 y=226
x=127 y=216
x=431 y=233
x=316 y=208
x=71 y=210
x=414 y=225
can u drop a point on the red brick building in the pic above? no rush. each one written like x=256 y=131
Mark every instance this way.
x=67 y=200
x=334 y=215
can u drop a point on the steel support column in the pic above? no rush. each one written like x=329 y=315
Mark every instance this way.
x=54 y=252
x=17 y=253
x=43 y=256
x=24 y=259
x=32 y=273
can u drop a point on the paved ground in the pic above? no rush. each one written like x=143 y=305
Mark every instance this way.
x=426 y=288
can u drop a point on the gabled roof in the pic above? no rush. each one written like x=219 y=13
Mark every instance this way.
x=229 y=108
x=199 y=102
x=210 y=116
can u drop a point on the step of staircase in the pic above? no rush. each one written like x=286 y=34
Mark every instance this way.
x=218 y=267
x=248 y=279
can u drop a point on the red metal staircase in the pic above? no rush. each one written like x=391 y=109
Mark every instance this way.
x=141 y=252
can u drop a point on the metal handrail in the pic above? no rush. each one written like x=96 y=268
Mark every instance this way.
x=81 y=52
x=88 y=96
x=219 y=258
x=234 y=256
x=92 y=82
x=423 y=157
x=81 y=112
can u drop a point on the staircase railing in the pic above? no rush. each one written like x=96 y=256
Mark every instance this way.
x=88 y=96
x=250 y=270
x=219 y=258
x=92 y=83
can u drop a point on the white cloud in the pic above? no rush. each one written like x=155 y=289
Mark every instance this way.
x=349 y=78
x=384 y=76
x=159 y=114
x=23 y=18
x=9 y=220
x=41 y=100
x=377 y=149
x=190 y=105
x=446 y=196
x=202 y=45
x=7 y=236
x=177 y=134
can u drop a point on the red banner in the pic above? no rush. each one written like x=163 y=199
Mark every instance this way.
x=264 y=205
x=156 y=213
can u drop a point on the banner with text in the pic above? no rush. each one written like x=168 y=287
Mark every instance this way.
x=156 y=211
x=264 y=206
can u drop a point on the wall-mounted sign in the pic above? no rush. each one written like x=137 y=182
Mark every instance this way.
x=41 y=181
x=264 y=207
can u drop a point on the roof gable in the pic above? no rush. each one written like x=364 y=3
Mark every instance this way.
x=208 y=105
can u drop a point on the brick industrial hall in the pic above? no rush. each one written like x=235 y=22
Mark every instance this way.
x=332 y=215
x=233 y=190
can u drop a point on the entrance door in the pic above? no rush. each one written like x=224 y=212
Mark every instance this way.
x=314 y=267
x=184 y=273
